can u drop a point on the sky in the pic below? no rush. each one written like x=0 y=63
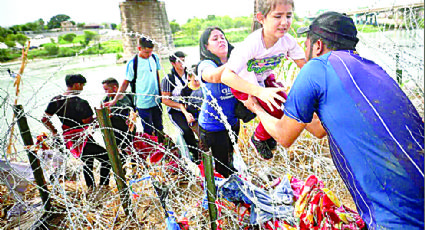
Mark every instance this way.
x=15 y=12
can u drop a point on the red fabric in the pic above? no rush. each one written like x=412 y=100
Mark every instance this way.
x=75 y=139
x=201 y=168
x=296 y=186
x=320 y=211
x=260 y=132
x=146 y=145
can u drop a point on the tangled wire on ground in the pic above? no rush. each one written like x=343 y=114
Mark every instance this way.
x=170 y=186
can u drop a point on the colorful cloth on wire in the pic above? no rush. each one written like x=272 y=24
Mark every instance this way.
x=264 y=206
x=318 y=208
x=75 y=139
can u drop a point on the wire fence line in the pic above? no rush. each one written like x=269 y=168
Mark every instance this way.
x=77 y=207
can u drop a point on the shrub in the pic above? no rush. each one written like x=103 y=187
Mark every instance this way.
x=66 y=52
x=69 y=37
x=51 y=49
x=10 y=44
x=4 y=55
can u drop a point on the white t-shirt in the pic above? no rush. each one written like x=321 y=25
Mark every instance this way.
x=251 y=60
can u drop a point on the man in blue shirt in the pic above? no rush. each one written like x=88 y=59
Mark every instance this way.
x=147 y=93
x=376 y=136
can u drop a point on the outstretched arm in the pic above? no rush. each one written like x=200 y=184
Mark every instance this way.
x=285 y=130
x=119 y=94
x=170 y=103
x=212 y=75
x=268 y=95
x=48 y=124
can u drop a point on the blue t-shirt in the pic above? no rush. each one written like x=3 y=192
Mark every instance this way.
x=146 y=82
x=375 y=135
x=209 y=118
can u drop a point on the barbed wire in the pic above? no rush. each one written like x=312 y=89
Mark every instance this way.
x=77 y=207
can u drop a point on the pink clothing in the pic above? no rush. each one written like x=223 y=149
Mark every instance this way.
x=75 y=140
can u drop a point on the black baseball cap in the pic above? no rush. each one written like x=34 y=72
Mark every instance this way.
x=173 y=57
x=333 y=26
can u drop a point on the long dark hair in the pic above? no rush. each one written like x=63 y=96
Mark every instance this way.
x=205 y=54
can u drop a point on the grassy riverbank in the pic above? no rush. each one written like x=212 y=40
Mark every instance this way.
x=63 y=48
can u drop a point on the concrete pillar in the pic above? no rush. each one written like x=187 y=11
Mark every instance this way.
x=255 y=24
x=147 y=17
x=375 y=21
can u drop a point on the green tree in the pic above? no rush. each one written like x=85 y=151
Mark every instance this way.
x=10 y=43
x=192 y=27
x=40 y=24
x=69 y=37
x=21 y=39
x=240 y=22
x=16 y=28
x=88 y=36
x=55 y=21
x=52 y=49
x=4 y=55
x=174 y=26
x=4 y=32
x=113 y=26
x=226 y=22
x=81 y=25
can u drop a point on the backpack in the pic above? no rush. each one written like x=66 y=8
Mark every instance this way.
x=172 y=79
x=133 y=82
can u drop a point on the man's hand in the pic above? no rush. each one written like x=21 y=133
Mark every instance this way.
x=270 y=95
x=48 y=124
x=189 y=117
x=111 y=103
x=252 y=104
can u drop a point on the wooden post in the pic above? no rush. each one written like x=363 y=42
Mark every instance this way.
x=211 y=192
x=17 y=84
x=34 y=161
x=111 y=147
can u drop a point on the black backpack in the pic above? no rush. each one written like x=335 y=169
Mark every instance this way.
x=133 y=82
x=172 y=79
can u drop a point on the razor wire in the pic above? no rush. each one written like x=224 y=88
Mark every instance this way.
x=77 y=207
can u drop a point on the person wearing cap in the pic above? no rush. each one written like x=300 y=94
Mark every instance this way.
x=147 y=92
x=174 y=85
x=76 y=115
x=376 y=136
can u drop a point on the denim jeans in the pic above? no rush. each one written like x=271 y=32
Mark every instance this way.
x=151 y=119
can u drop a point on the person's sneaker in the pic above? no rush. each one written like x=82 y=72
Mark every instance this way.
x=271 y=143
x=262 y=148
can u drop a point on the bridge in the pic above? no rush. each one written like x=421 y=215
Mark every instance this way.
x=392 y=15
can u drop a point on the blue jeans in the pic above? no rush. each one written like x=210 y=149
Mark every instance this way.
x=151 y=119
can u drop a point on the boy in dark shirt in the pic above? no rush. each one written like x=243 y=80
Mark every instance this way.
x=119 y=112
x=76 y=115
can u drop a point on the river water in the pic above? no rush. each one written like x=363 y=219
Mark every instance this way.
x=43 y=79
